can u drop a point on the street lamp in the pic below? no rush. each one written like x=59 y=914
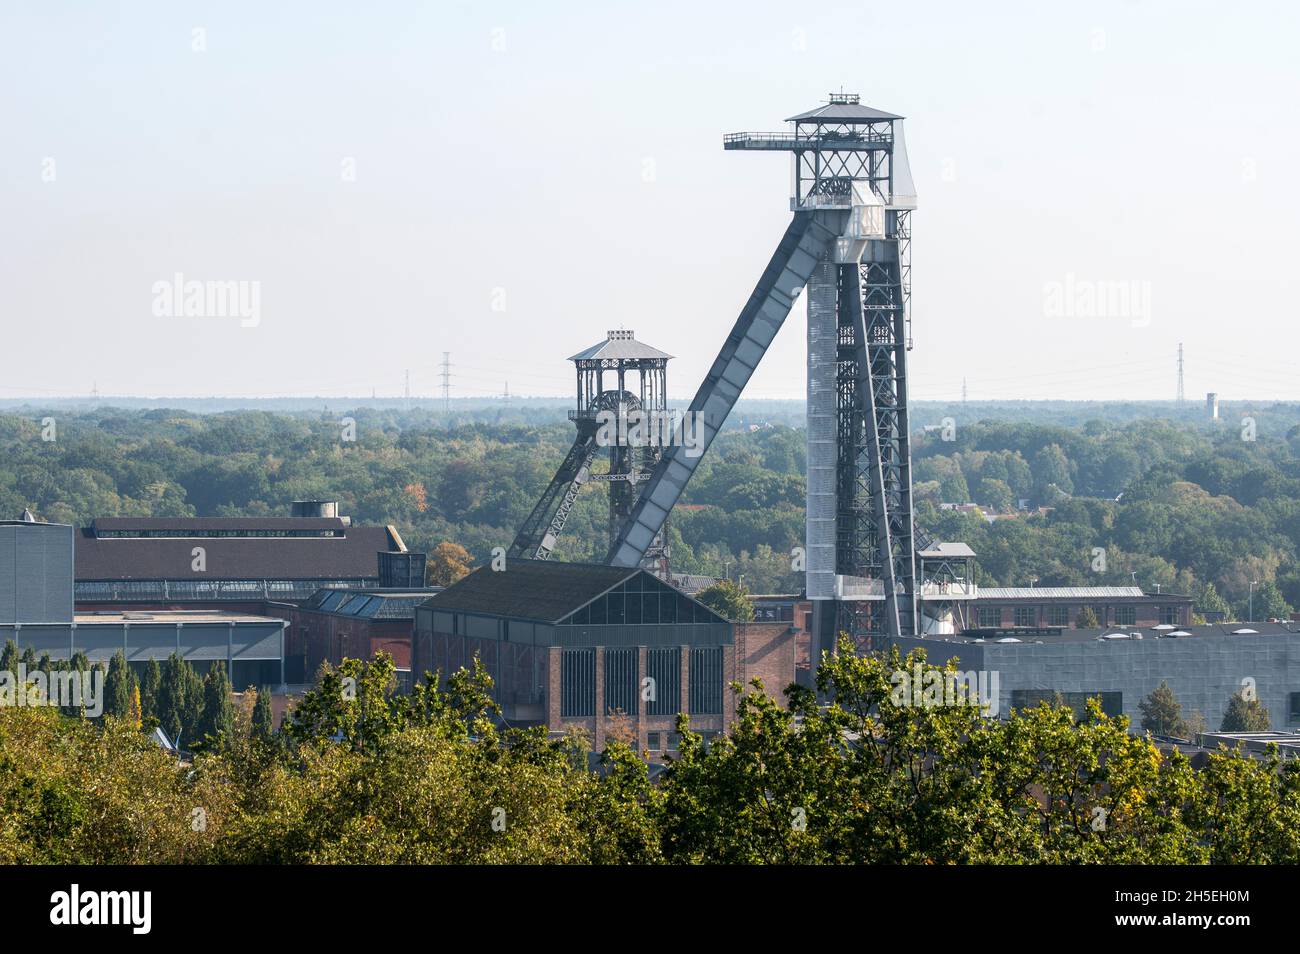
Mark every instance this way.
x=1250 y=611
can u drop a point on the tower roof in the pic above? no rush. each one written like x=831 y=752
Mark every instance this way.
x=619 y=345
x=843 y=108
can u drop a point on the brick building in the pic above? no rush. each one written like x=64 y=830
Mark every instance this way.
x=600 y=648
x=1001 y=607
x=335 y=624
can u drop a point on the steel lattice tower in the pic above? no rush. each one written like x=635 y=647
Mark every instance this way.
x=849 y=244
x=607 y=418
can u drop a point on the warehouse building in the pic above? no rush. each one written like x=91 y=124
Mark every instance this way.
x=184 y=562
x=606 y=649
x=1203 y=665
x=36 y=611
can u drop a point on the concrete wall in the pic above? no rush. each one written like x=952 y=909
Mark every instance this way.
x=1203 y=671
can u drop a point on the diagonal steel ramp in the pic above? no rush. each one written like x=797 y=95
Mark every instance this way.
x=807 y=241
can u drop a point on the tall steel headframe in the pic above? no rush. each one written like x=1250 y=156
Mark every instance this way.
x=622 y=409
x=849 y=244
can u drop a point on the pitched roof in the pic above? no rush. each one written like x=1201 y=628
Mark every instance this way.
x=539 y=590
x=620 y=345
x=352 y=554
x=843 y=113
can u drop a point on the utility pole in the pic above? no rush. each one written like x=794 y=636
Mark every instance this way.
x=1250 y=610
x=1180 y=372
x=446 y=381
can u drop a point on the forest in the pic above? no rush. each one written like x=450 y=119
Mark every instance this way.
x=1171 y=500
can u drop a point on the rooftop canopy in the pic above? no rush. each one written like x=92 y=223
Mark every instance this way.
x=843 y=108
x=620 y=345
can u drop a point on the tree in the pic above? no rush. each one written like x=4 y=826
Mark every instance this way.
x=171 y=707
x=1087 y=619
x=263 y=721
x=117 y=687
x=149 y=686
x=216 y=725
x=9 y=658
x=1163 y=714
x=1269 y=602
x=133 y=712
x=1211 y=605
x=448 y=562
x=995 y=495
x=1245 y=715
x=728 y=599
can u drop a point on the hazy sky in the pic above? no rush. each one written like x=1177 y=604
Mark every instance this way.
x=506 y=181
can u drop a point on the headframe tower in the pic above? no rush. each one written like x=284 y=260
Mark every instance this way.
x=848 y=243
x=621 y=382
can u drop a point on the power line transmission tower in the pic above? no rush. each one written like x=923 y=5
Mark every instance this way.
x=446 y=381
x=1180 y=372
x=408 y=389
x=963 y=390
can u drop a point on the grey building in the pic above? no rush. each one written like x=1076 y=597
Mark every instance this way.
x=1203 y=665
x=36 y=612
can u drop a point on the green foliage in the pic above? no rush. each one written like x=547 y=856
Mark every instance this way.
x=263 y=727
x=1163 y=714
x=1245 y=715
x=119 y=687
x=367 y=776
x=216 y=725
x=729 y=599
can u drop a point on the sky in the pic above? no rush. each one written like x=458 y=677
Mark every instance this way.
x=507 y=181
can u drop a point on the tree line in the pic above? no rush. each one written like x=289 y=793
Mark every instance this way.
x=361 y=774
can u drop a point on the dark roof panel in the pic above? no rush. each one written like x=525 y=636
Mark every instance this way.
x=352 y=555
x=531 y=589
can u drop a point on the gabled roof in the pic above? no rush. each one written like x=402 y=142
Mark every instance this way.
x=620 y=345
x=843 y=113
x=541 y=590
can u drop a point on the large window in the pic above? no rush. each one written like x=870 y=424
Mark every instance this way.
x=1169 y=615
x=706 y=681
x=1126 y=615
x=620 y=681
x=1026 y=615
x=578 y=683
x=1293 y=714
x=641 y=600
x=664 y=667
x=1058 y=616
x=990 y=616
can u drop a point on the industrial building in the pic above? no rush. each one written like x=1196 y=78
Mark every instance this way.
x=1203 y=665
x=36 y=611
x=184 y=562
x=999 y=607
x=601 y=648
x=335 y=624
